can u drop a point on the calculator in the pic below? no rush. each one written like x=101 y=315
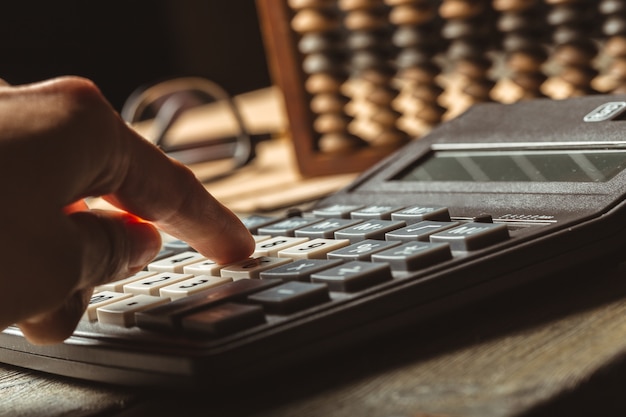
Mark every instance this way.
x=500 y=196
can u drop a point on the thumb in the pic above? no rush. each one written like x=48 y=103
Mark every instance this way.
x=115 y=245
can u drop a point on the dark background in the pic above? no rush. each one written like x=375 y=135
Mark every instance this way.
x=122 y=45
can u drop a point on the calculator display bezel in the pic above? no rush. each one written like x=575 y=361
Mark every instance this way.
x=540 y=124
x=386 y=179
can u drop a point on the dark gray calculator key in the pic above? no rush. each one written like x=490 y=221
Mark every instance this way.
x=168 y=316
x=369 y=229
x=354 y=276
x=291 y=297
x=414 y=255
x=325 y=229
x=419 y=213
x=375 y=212
x=472 y=236
x=224 y=319
x=286 y=227
x=419 y=231
x=253 y=222
x=299 y=270
x=361 y=251
x=341 y=211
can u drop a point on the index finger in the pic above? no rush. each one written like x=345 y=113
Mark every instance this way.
x=179 y=204
x=167 y=193
x=114 y=161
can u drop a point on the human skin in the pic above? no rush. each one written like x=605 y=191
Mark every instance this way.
x=61 y=142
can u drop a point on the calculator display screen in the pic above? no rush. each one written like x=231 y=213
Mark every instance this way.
x=517 y=165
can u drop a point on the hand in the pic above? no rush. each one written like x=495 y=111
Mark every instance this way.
x=60 y=142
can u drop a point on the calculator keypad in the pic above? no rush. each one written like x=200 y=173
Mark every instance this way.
x=299 y=263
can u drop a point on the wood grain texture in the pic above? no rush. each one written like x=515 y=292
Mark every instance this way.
x=26 y=394
x=548 y=349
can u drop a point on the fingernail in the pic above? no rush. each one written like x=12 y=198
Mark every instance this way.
x=145 y=243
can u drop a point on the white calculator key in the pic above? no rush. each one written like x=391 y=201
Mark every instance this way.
x=100 y=299
x=206 y=267
x=251 y=268
x=192 y=286
x=122 y=313
x=175 y=263
x=260 y=238
x=271 y=247
x=118 y=286
x=313 y=249
x=152 y=285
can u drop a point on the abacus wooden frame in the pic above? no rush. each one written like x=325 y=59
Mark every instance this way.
x=285 y=65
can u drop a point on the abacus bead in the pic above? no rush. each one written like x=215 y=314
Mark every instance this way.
x=579 y=53
x=526 y=61
x=425 y=73
x=310 y=4
x=614 y=25
x=322 y=83
x=529 y=81
x=314 y=63
x=331 y=123
x=338 y=143
x=327 y=103
x=351 y=5
x=410 y=15
x=615 y=46
x=578 y=76
x=310 y=20
x=609 y=7
x=393 y=138
x=312 y=43
x=513 y=5
x=460 y=9
x=359 y=20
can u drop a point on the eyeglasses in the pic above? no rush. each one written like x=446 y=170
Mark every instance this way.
x=164 y=106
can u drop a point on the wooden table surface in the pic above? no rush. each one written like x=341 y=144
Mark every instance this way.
x=553 y=348
x=550 y=349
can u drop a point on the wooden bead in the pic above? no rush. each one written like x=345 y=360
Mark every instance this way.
x=413 y=57
x=461 y=9
x=578 y=76
x=311 y=20
x=389 y=138
x=312 y=43
x=315 y=63
x=385 y=117
x=615 y=46
x=579 y=53
x=338 y=143
x=331 y=123
x=529 y=81
x=360 y=20
x=513 y=5
x=523 y=61
x=610 y=7
x=319 y=83
x=327 y=103
x=421 y=74
x=310 y=4
x=479 y=89
x=615 y=26
x=352 y=5
x=411 y=15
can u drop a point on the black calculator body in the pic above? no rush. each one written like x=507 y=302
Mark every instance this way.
x=500 y=196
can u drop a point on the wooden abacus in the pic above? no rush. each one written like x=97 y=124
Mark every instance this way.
x=360 y=78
